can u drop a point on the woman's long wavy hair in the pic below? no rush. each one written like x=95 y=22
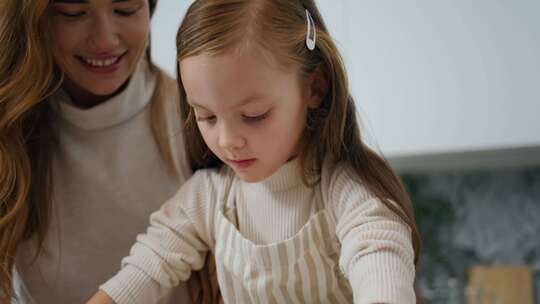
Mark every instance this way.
x=278 y=27
x=29 y=76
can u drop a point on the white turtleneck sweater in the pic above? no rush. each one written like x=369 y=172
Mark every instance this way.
x=108 y=177
x=276 y=241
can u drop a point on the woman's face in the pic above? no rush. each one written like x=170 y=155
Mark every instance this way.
x=98 y=43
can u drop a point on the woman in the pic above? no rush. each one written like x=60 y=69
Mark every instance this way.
x=88 y=133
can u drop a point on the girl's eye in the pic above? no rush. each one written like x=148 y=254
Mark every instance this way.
x=257 y=118
x=208 y=119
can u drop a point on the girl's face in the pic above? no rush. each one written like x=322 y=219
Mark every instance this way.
x=98 y=43
x=250 y=113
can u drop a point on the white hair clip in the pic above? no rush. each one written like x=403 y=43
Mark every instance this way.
x=310 y=42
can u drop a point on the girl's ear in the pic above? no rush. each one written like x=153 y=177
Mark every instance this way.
x=316 y=88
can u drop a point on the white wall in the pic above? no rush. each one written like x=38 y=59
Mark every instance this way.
x=428 y=76
x=447 y=75
x=165 y=23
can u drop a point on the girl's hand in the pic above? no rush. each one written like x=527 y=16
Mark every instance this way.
x=100 y=298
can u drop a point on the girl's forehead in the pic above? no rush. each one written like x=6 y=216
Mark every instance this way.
x=249 y=65
x=235 y=77
x=226 y=71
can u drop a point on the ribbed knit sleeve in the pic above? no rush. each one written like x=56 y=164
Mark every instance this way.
x=376 y=244
x=175 y=243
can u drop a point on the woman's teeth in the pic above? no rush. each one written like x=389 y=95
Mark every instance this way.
x=101 y=63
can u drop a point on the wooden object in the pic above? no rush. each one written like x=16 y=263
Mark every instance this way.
x=500 y=284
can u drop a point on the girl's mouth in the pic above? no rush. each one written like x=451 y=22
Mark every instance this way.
x=244 y=163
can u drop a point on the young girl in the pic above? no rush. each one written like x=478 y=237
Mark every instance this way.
x=293 y=204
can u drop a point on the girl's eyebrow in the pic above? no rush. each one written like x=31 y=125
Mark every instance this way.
x=254 y=98
x=196 y=105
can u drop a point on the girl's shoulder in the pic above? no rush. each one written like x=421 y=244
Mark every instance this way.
x=340 y=183
x=202 y=190
x=340 y=174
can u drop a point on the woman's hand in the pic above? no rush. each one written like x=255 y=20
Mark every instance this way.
x=100 y=298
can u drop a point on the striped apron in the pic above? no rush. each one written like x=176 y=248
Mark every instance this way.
x=301 y=269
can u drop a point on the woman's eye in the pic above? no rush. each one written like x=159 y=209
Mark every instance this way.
x=72 y=14
x=255 y=118
x=125 y=13
x=127 y=10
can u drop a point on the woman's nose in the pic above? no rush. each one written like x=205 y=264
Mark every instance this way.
x=103 y=37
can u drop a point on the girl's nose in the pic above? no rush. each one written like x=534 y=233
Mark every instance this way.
x=230 y=139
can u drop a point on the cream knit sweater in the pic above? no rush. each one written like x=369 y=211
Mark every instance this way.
x=375 y=252
x=108 y=178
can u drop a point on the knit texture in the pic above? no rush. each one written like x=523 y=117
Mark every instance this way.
x=108 y=178
x=274 y=241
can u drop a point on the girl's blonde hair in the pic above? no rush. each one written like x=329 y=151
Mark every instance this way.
x=29 y=76
x=278 y=27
